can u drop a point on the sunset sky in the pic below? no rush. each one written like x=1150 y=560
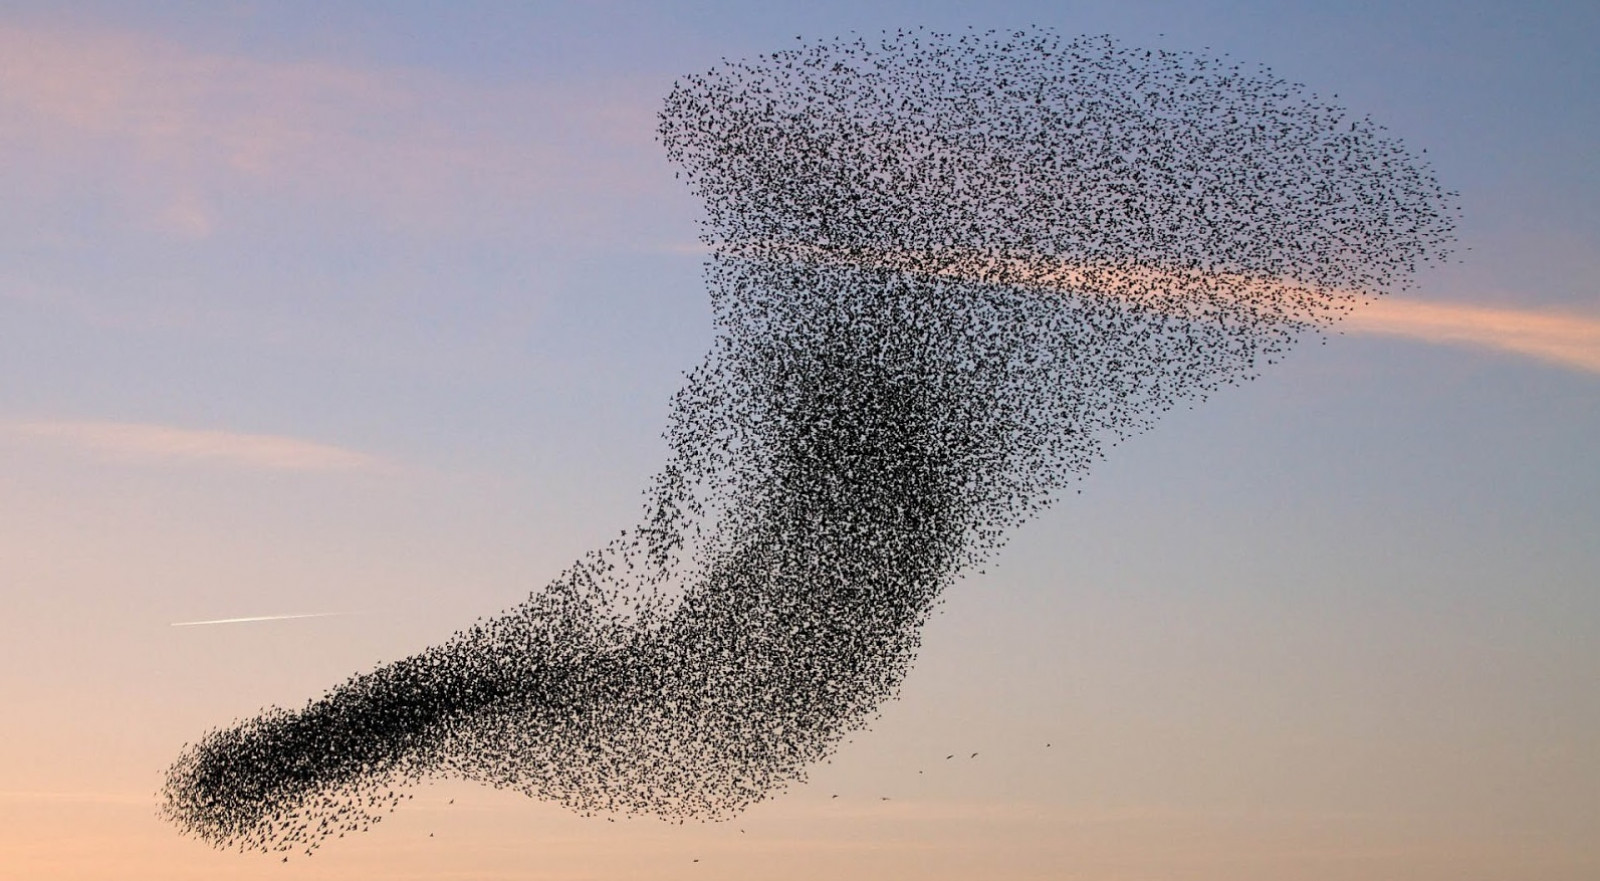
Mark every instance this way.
x=344 y=324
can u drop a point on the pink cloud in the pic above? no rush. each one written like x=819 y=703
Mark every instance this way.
x=134 y=442
x=165 y=127
x=1566 y=340
x=1562 y=339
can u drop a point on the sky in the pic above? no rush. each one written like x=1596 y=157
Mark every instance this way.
x=345 y=324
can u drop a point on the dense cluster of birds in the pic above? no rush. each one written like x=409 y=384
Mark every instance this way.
x=947 y=272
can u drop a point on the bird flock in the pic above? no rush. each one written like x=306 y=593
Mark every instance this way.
x=947 y=272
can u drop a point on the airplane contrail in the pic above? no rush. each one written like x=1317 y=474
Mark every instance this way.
x=256 y=618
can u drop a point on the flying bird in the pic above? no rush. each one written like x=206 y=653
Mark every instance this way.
x=948 y=272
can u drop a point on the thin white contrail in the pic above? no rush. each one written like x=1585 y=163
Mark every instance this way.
x=256 y=618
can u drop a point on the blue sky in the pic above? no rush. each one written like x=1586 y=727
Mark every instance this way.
x=376 y=309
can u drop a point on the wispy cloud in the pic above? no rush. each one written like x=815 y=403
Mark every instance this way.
x=139 y=442
x=168 y=131
x=76 y=797
x=1562 y=339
